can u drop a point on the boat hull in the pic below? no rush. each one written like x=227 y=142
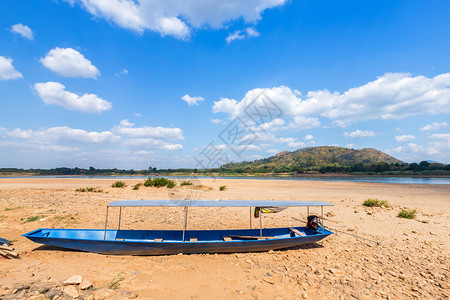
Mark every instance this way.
x=161 y=242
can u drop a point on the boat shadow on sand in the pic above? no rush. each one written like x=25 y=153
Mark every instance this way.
x=300 y=247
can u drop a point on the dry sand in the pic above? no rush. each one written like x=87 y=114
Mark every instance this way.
x=411 y=262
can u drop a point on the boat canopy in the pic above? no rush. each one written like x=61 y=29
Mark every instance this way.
x=216 y=203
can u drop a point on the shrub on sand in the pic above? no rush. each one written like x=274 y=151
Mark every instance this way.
x=118 y=184
x=373 y=202
x=223 y=187
x=407 y=213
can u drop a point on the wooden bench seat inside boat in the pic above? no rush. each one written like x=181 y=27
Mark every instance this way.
x=193 y=239
x=297 y=231
x=158 y=240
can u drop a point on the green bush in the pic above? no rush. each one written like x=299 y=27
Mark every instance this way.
x=186 y=183
x=137 y=186
x=159 y=182
x=89 y=189
x=373 y=202
x=118 y=184
x=407 y=213
x=223 y=187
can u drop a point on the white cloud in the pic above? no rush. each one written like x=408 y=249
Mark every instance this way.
x=126 y=123
x=150 y=143
x=272 y=151
x=224 y=105
x=391 y=96
x=216 y=121
x=55 y=93
x=23 y=30
x=434 y=126
x=175 y=18
x=68 y=62
x=150 y=132
x=296 y=144
x=405 y=138
x=302 y=123
x=440 y=136
x=192 y=100
x=308 y=137
x=64 y=134
x=242 y=34
x=123 y=72
x=137 y=115
x=7 y=70
x=360 y=133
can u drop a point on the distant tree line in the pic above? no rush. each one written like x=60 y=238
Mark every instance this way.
x=382 y=168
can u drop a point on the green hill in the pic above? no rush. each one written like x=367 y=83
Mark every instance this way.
x=320 y=159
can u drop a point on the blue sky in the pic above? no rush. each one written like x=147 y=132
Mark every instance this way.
x=132 y=84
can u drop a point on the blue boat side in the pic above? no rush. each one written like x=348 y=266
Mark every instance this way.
x=160 y=242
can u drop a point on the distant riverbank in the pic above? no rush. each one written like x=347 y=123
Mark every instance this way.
x=417 y=179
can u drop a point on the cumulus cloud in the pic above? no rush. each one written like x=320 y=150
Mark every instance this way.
x=149 y=143
x=434 y=126
x=126 y=123
x=64 y=134
x=7 y=70
x=391 y=96
x=308 y=137
x=360 y=133
x=175 y=18
x=55 y=93
x=405 y=138
x=441 y=136
x=224 y=105
x=242 y=34
x=149 y=132
x=192 y=100
x=69 y=62
x=22 y=30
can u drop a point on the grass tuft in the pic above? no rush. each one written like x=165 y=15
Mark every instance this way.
x=89 y=189
x=223 y=187
x=114 y=284
x=159 y=182
x=186 y=182
x=118 y=184
x=137 y=186
x=373 y=202
x=35 y=218
x=407 y=213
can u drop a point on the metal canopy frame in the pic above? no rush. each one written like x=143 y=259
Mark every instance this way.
x=212 y=203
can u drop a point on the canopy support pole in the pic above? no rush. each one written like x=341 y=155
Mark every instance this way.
x=120 y=216
x=250 y=217
x=106 y=222
x=260 y=222
x=185 y=221
x=322 y=217
x=307 y=208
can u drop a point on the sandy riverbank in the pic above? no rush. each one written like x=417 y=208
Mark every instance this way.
x=412 y=260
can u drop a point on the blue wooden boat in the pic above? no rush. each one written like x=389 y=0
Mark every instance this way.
x=160 y=242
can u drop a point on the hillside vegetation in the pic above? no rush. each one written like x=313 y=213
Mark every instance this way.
x=324 y=159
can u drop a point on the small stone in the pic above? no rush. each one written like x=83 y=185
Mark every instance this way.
x=52 y=293
x=128 y=294
x=74 y=279
x=271 y=252
x=103 y=293
x=85 y=284
x=249 y=261
x=71 y=291
x=41 y=287
x=37 y=297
